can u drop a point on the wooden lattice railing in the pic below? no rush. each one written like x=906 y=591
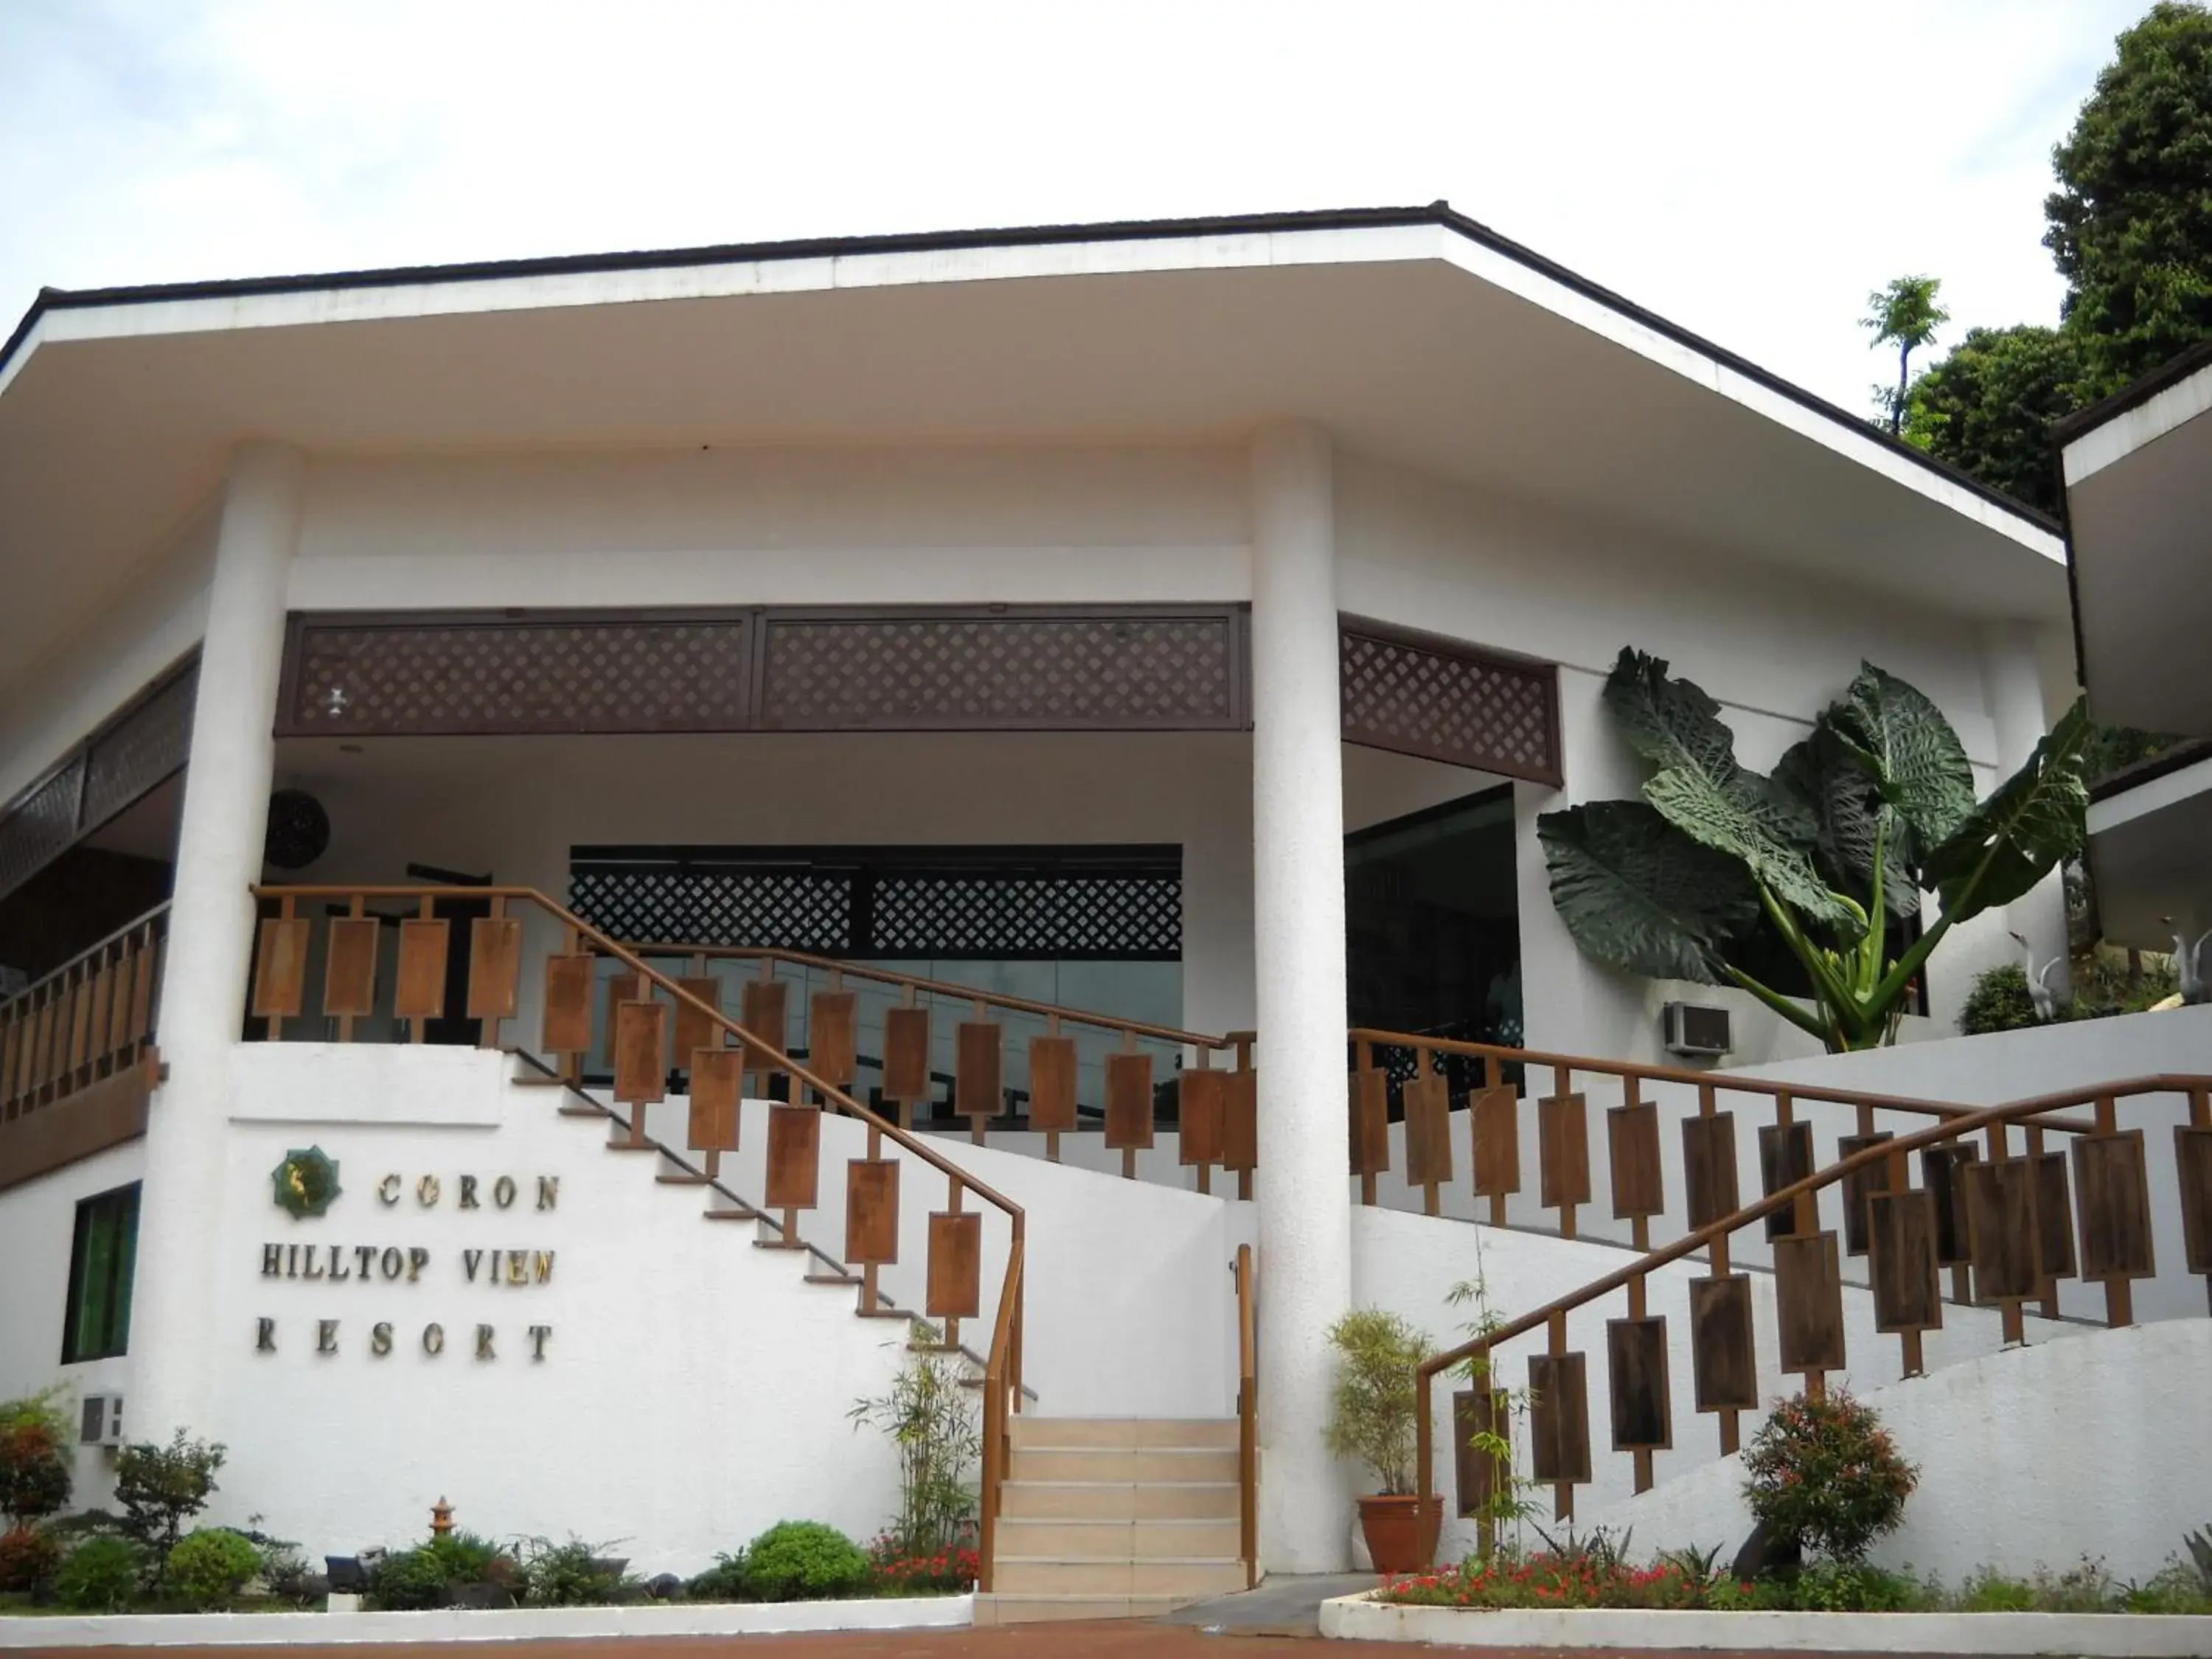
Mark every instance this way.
x=1217 y=1107
x=434 y=978
x=2025 y=1225
x=89 y=1019
x=1430 y=1073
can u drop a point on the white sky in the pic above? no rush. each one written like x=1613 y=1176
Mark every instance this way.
x=1749 y=168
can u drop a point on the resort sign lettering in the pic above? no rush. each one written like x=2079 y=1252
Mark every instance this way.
x=305 y=1185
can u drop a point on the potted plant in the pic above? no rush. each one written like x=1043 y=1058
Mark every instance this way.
x=1371 y=1418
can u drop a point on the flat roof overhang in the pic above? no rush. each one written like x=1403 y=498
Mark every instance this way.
x=1416 y=336
x=2138 y=472
x=2147 y=842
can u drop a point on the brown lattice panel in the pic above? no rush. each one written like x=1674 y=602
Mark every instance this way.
x=1084 y=671
x=1418 y=694
x=425 y=677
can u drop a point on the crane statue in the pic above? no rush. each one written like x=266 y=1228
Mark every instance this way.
x=2038 y=983
x=2187 y=969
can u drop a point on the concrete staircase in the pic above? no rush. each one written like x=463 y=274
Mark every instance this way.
x=1115 y=1518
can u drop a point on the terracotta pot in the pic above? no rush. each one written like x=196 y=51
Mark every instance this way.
x=1400 y=1532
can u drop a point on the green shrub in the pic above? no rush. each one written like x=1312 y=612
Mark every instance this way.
x=99 y=1575
x=1826 y=1474
x=2175 y=1587
x=1990 y=1591
x=161 y=1487
x=409 y=1582
x=34 y=1457
x=208 y=1568
x=466 y=1557
x=723 y=1581
x=1852 y=1587
x=1999 y=1002
x=803 y=1561
x=571 y=1575
x=28 y=1555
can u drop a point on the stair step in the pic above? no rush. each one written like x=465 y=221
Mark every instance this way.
x=777 y=1244
x=572 y=1107
x=1129 y=1433
x=1139 y=1464
x=626 y=1145
x=1049 y=1538
x=1014 y=1575
x=832 y=1278
x=999 y=1608
x=539 y=1080
x=679 y=1180
x=1119 y=1500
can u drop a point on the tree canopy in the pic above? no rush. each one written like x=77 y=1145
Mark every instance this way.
x=2130 y=228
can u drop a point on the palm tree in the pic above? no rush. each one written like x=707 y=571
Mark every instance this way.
x=1904 y=314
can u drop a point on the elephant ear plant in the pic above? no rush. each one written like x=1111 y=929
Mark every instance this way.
x=1874 y=807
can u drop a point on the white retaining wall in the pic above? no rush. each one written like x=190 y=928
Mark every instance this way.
x=2035 y=1456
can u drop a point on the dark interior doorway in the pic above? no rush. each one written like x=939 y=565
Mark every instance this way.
x=1433 y=929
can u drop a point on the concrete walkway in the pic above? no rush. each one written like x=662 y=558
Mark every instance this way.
x=1285 y=1604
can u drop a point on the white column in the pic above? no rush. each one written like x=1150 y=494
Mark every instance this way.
x=2012 y=680
x=1298 y=890
x=211 y=931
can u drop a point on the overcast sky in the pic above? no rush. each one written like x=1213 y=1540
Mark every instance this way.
x=1748 y=169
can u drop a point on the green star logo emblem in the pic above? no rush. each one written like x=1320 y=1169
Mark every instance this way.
x=306 y=1183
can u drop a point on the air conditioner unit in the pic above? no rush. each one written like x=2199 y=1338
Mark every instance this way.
x=101 y=1424
x=1691 y=1029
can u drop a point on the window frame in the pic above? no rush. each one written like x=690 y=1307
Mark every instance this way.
x=119 y=1206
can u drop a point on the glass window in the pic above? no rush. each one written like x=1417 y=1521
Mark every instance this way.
x=101 y=1258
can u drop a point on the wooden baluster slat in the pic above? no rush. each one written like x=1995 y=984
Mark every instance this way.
x=1785 y=1157
x=795 y=1163
x=694 y=1029
x=349 y=967
x=2192 y=1166
x=1635 y=1366
x=1494 y=1123
x=1201 y=1094
x=494 y=971
x=718 y=1087
x=1240 y=1120
x=96 y=1046
x=764 y=1009
x=1941 y=1172
x=418 y=995
x=1370 y=1107
x=1563 y=1160
x=906 y=1057
x=1902 y=1269
x=1052 y=1086
x=955 y=1278
x=2112 y=1185
x=280 y=969
x=1558 y=1419
x=566 y=1027
x=1639 y=1181
x=1808 y=1297
x=978 y=1072
x=871 y=1211
x=1128 y=1104
x=1860 y=1186
x=2000 y=1196
x=833 y=1036
x=1428 y=1130
x=640 y=1060
x=145 y=981
x=1723 y=1355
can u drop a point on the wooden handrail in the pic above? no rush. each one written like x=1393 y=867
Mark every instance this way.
x=998 y=1393
x=1005 y=1341
x=1954 y=1125
x=91 y=950
x=88 y=1019
x=947 y=988
x=1248 y=1419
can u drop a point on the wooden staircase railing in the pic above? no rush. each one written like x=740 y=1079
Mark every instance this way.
x=1248 y=1415
x=1431 y=1071
x=2019 y=1219
x=88 y=1022
x=424 y=988
x=1217 y=1108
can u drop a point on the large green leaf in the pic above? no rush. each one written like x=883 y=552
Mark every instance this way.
x=1701 y=790
x=2018 y=835
x=1914 y=755
x=1640 y=895
x=1831 y=780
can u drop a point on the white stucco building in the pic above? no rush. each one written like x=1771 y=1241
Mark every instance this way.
x=1181 y=621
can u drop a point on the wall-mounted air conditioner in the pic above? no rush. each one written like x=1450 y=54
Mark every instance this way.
x=1691 y=1029
x=101 y=1424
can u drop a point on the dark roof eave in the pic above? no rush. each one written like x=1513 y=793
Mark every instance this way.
x=2174 y=370
x=1438 y=213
